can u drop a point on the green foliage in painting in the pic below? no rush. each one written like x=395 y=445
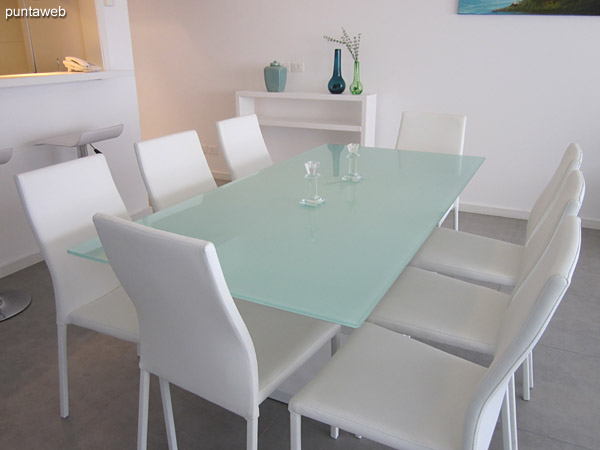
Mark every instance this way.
x=559 y=7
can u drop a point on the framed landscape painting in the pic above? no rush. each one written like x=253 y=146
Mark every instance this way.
x=547 y=7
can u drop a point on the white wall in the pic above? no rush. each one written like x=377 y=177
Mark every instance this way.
x=528 y=84
x=29 y=113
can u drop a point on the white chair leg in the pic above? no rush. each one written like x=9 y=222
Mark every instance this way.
x=165 y=394
x=506 y=422
x=526 y=369
x=142 y=441
x=513 y=413
x=530 y=357
x=456 y=215
x=334 y=432
x=252 y=434
x=63 y=373
x=295 y=431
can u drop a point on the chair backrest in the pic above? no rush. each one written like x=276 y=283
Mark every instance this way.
x=571 y=160
x=174 y=168
x=432 y=132
x=60 y=201
x=523 y=324
x=191 y=332
x=243 y=146
x=569 y=199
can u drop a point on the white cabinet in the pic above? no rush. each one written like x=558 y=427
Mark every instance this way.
x=313 y=111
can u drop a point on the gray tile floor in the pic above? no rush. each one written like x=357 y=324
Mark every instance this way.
x=564 y=412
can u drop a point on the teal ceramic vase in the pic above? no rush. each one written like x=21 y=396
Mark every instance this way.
x=275 y=77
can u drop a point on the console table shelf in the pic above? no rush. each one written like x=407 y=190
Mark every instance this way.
x=331 y=125
x=312 y=111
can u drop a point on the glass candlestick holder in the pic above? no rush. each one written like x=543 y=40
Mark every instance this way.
x=353 y=155
x=312 y=178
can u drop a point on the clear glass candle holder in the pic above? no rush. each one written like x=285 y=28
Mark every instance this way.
x=353 y=155
x=312 y=178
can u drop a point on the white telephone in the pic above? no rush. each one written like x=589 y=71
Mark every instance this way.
x=75 y=64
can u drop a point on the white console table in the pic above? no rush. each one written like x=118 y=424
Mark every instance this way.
x=316 y=111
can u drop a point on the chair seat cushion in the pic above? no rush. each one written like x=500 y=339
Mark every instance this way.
x=112 y=314
x=438 y=308
x=466 y=255
x=387 y=387
x=283 y=341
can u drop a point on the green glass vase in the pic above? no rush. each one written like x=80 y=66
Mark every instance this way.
x=356 y=87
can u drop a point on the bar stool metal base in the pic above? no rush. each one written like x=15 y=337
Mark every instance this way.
x=12 y=303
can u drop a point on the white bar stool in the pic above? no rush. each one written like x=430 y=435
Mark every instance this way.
x=11 y=302
x=82 y=139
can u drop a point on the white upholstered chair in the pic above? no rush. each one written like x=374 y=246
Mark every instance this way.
x=502 y=262
x=433 y=132
x=405 y=394
x=174 y=168
x=87 y=294
x=468 y=315
x=437 y=308
x=487 y=260
x=243 y=146
x=193 y=333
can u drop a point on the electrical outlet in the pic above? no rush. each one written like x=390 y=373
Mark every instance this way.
x=297 y=67
x=210 y=149
x=287 y=65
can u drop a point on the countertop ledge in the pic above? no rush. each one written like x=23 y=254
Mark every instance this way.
x=9 y=81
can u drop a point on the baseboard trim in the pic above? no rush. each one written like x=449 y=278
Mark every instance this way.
x=20 y=264
x=591 y=224
x=493 y=211
x=515 y=214
x=221 y=176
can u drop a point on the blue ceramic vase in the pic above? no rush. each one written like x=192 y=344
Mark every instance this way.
x=337 y=84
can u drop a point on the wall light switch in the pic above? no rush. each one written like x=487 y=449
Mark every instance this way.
x=297 y=67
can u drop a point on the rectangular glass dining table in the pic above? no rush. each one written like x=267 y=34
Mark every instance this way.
x=334 y=261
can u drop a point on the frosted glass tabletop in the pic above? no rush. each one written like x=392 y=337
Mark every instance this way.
x=336 y=260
